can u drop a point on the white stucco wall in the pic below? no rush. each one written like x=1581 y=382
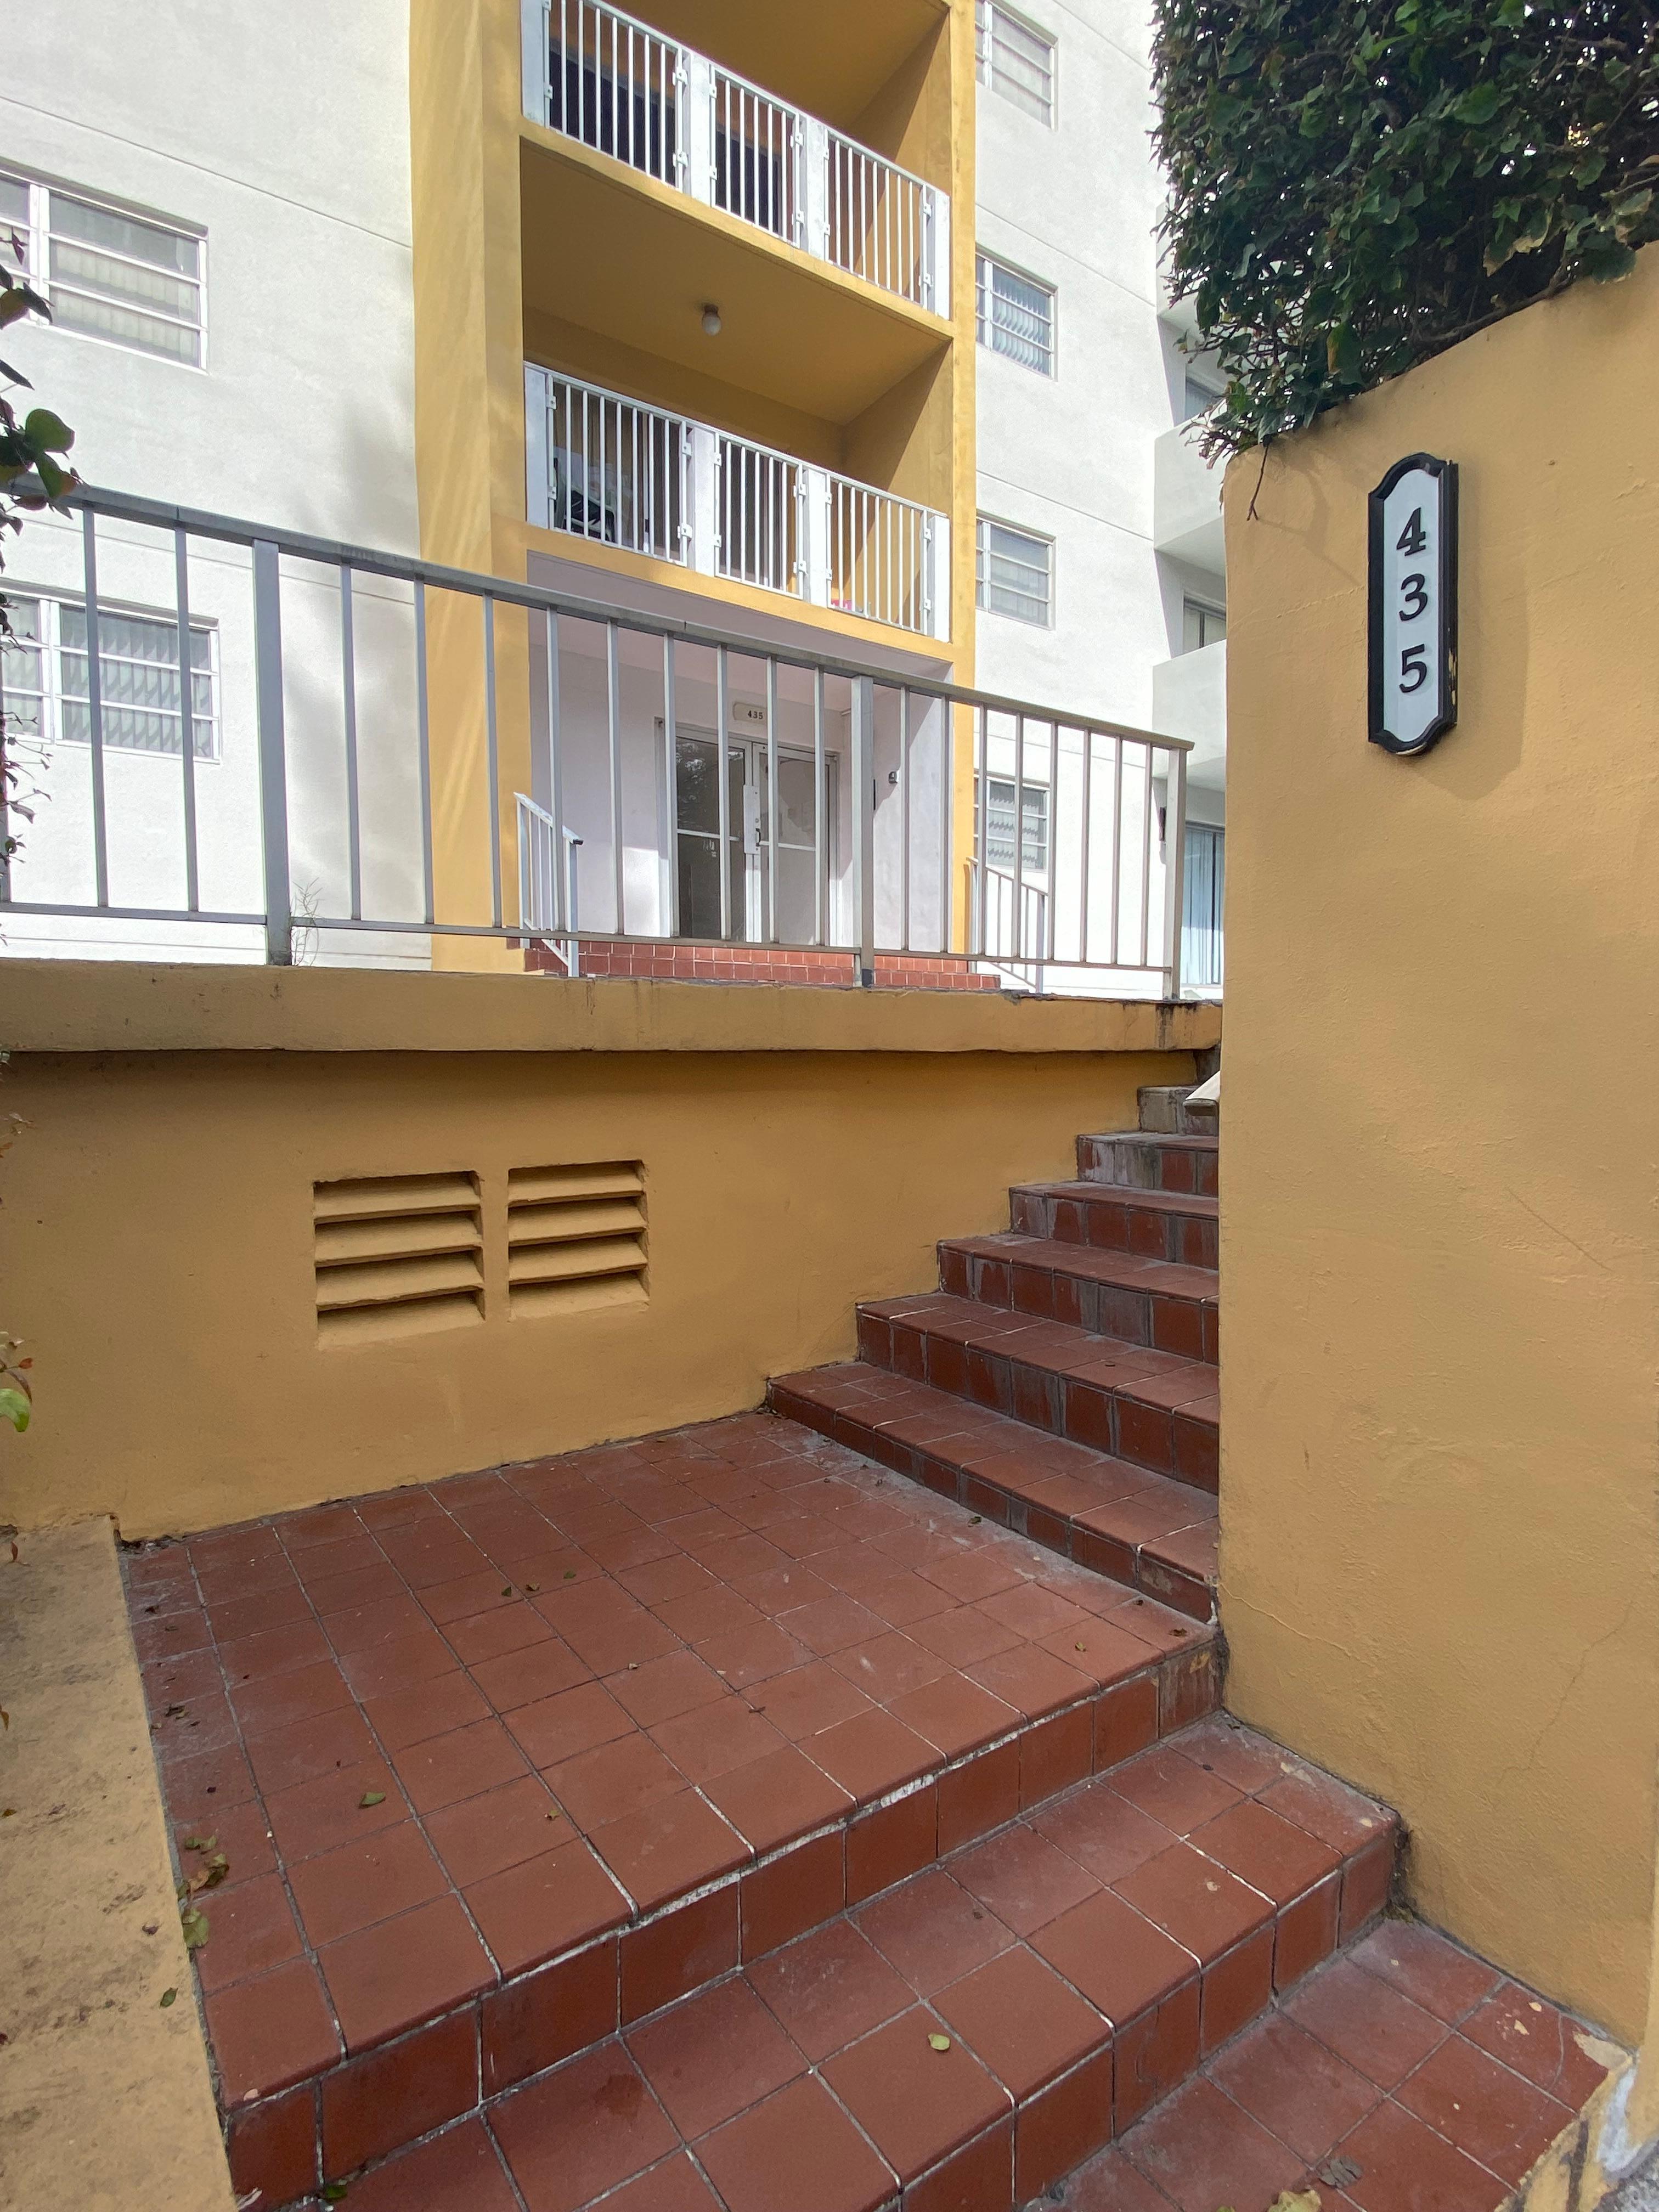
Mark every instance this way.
x=283 y=134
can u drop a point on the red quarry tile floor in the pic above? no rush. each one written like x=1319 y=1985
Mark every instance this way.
x=451 y=1737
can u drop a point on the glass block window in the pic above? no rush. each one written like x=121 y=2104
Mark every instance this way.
x=1014 y=573
x=43 y=678
x=1015 y=58
x=1016 y=315
x=999 y=826
x=131 y=280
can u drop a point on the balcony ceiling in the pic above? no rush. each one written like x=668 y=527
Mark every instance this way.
x=636 y=262
x=832 y=61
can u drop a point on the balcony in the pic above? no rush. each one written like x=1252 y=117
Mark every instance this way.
x=1189 y=701
x=613 y=471
x=612 y=84
x=1187 y=501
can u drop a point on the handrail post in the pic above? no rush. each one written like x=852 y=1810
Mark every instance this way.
x=273 y=767
x=863 y=794
x=1174 y=873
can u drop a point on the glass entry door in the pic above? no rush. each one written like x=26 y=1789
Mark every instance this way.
x=696 y=830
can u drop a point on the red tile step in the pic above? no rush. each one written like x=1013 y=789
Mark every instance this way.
x=1135 y=1160
x=1153 y=1409
x=1157 y=1303
x=1156 y=1224
x=970 y=2036
x=503 y=1764
x=1142 y=1530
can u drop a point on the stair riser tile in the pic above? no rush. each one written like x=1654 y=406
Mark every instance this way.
x=1186 y=1170
x=1117 y=1224
x=1147 y=1436
x=1184 y=1326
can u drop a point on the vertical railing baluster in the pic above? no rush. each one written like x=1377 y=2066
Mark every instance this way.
x=1118 y=846
x=1175 y=872
x=723 y=716
x=187 y=712
x=772 y=932
x=947 y=775
x=348 y=692
x=864 y=801
x=1088 y=832
x=613 y=731
x=820 y=817
x=273 y=766
x=1146 y=863
x=904 y=818
x=1019 y=834
x=94 y=707
x=670 y=753
x=982 y=789
x=423 y=733
x=556 y=766
x=493 y=756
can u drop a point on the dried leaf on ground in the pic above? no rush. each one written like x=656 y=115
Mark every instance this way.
x=371 y=1797
x=939 y=2042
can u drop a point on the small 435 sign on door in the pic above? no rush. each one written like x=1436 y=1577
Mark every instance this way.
x=1413 y=604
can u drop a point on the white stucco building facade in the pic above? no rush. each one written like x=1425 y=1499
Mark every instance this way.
x=1102 y=585
x=218 y=202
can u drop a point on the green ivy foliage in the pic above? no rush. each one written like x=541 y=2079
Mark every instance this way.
x=1355 y=188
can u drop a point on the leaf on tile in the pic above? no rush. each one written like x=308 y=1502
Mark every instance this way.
x=201 y=1844
x=193 y=1923
x=371 y=1797
x=168 y=1997
x=1295 y=2200
x=939 y=2042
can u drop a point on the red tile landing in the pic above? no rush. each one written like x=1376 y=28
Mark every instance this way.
x=503 y=1763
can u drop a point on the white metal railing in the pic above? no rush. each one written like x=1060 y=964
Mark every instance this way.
x=615 y=472
x=548 y=886
x=594 y=74
x=1011 y=922
x=477 y=731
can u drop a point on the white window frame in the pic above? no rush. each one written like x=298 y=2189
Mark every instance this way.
x=53 y=697
x=986 y=13
x=985 y=327
x=983 y=524
x=38 y=272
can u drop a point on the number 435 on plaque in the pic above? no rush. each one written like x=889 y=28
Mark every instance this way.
x=1413 y=604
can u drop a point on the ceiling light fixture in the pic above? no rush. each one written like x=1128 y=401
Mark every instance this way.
x=711 y=321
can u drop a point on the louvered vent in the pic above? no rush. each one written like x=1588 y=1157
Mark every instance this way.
x=575 y=1237
x=397 y=1255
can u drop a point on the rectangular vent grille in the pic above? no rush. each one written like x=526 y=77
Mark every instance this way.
x=575 y=1238
x=397 y=1255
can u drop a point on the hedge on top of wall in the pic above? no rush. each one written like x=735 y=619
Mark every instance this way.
x=1355 y=188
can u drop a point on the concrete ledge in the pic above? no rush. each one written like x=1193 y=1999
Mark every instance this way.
x=105 y=2102
x=117 y=1006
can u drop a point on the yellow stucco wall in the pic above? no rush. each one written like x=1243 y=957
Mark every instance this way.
x=1440 y=1417
x=801 y=1149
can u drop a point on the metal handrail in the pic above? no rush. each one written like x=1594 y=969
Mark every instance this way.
x=198 y=522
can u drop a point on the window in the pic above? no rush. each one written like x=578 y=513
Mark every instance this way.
x=1014 y=573
x=1015 y=58
x=999 y=826
x=1202 y=624
x=43 y=677
x=1199 y=394
x=1204 y=885
x=1016 y=315
x=129 y=279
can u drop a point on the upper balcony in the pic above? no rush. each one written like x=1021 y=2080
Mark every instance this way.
x=612 y=84
x=657 y=484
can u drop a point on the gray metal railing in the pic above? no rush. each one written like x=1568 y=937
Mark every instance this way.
x=423 y=749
